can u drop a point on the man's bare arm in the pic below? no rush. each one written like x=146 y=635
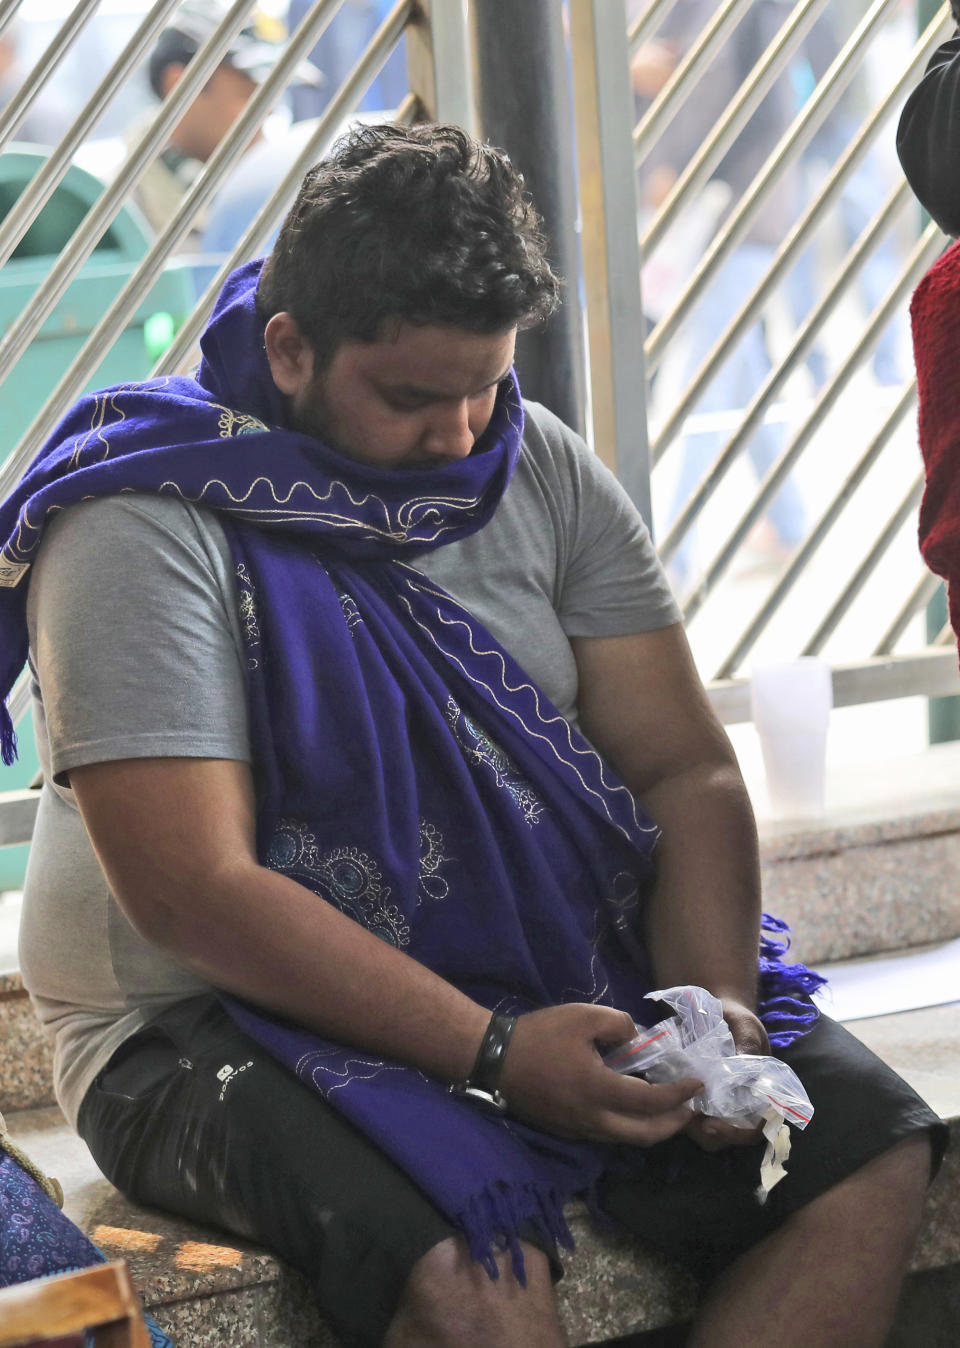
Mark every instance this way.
x=175 y=838
x=644 y=708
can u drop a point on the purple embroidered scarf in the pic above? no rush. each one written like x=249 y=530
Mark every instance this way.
x=408 y=771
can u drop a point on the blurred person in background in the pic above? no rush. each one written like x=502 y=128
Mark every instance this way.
x=740 y=376
x=251 y=56
x=340 y=46
x=862 y=196
x=48 y=118
x=254 y=179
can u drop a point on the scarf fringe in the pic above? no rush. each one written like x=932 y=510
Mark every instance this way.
x=786 y=990
x=495 y=1216
x=8 y=737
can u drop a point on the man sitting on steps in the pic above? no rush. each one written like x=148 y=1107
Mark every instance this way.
x=376 y=764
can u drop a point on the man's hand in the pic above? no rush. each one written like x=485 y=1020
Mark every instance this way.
x=749 y=1036
x=555 y=1079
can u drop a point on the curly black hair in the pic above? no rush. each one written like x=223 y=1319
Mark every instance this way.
x=420 y=224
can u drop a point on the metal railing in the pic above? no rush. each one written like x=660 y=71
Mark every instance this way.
x=892 y=660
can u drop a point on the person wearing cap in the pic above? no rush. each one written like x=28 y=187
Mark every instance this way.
x=252 y=53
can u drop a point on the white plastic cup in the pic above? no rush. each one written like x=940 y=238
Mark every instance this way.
x=791 y=706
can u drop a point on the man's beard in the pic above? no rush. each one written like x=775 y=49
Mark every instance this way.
x=310 y=417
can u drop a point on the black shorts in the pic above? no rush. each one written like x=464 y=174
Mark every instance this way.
x=191 y=1116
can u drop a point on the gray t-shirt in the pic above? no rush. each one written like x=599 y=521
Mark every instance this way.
x=136 y=652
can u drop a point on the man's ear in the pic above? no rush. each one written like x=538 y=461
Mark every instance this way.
x=289 y=354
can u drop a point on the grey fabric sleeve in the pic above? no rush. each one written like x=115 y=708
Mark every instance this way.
x=134 y=635
x=612 y=582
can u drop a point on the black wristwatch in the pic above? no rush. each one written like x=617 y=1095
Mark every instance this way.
x=482 y=1086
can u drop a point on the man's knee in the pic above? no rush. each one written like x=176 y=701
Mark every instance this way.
x=892 y=1186
x=905 y=1171
x=902 y=1173
x=450 y=1300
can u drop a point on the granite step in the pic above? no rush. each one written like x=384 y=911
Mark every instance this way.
x=207 y=1288
x=26 y=1055
x=881 y=870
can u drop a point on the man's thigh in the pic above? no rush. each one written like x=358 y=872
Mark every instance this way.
x=192 y=1116
x=701 y=1207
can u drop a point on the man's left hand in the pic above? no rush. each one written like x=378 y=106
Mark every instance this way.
x=750 y=1037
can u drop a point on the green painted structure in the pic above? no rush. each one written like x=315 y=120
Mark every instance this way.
x=63 y=334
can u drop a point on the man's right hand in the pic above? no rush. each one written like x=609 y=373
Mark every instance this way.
x=554 y=1078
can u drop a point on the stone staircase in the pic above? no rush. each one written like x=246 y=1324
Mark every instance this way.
x=880 y=873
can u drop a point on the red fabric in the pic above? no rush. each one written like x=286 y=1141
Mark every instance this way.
x=935 y=315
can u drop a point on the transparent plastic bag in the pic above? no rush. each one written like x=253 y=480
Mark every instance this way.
x=747 y=1090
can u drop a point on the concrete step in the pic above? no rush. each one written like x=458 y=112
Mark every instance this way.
x=881 y=870
x=207 y=1288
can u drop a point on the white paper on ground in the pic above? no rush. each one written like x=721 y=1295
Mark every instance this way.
x=884 y=985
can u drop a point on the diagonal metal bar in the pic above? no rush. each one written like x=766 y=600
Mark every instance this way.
x=793 y=245
x=8 y=9
x=803 y=340
x=945 y=637
x=103 y=211
x=824 y=524
x=844 y=600
x=918 y=598
x=645 y=24
x=923 y=253
x=43 y=184
x=794 y=139
x=683 y=82
x=125 y=304
x=23 y=100
x=271 y=211
x=751 y=94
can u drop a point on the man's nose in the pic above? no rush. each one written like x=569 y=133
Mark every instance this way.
x=449 y=435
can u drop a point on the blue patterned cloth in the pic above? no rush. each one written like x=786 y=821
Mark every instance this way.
x=408 y=771
x=38 y=1241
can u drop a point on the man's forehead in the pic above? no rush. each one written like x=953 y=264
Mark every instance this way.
x=430 y=356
